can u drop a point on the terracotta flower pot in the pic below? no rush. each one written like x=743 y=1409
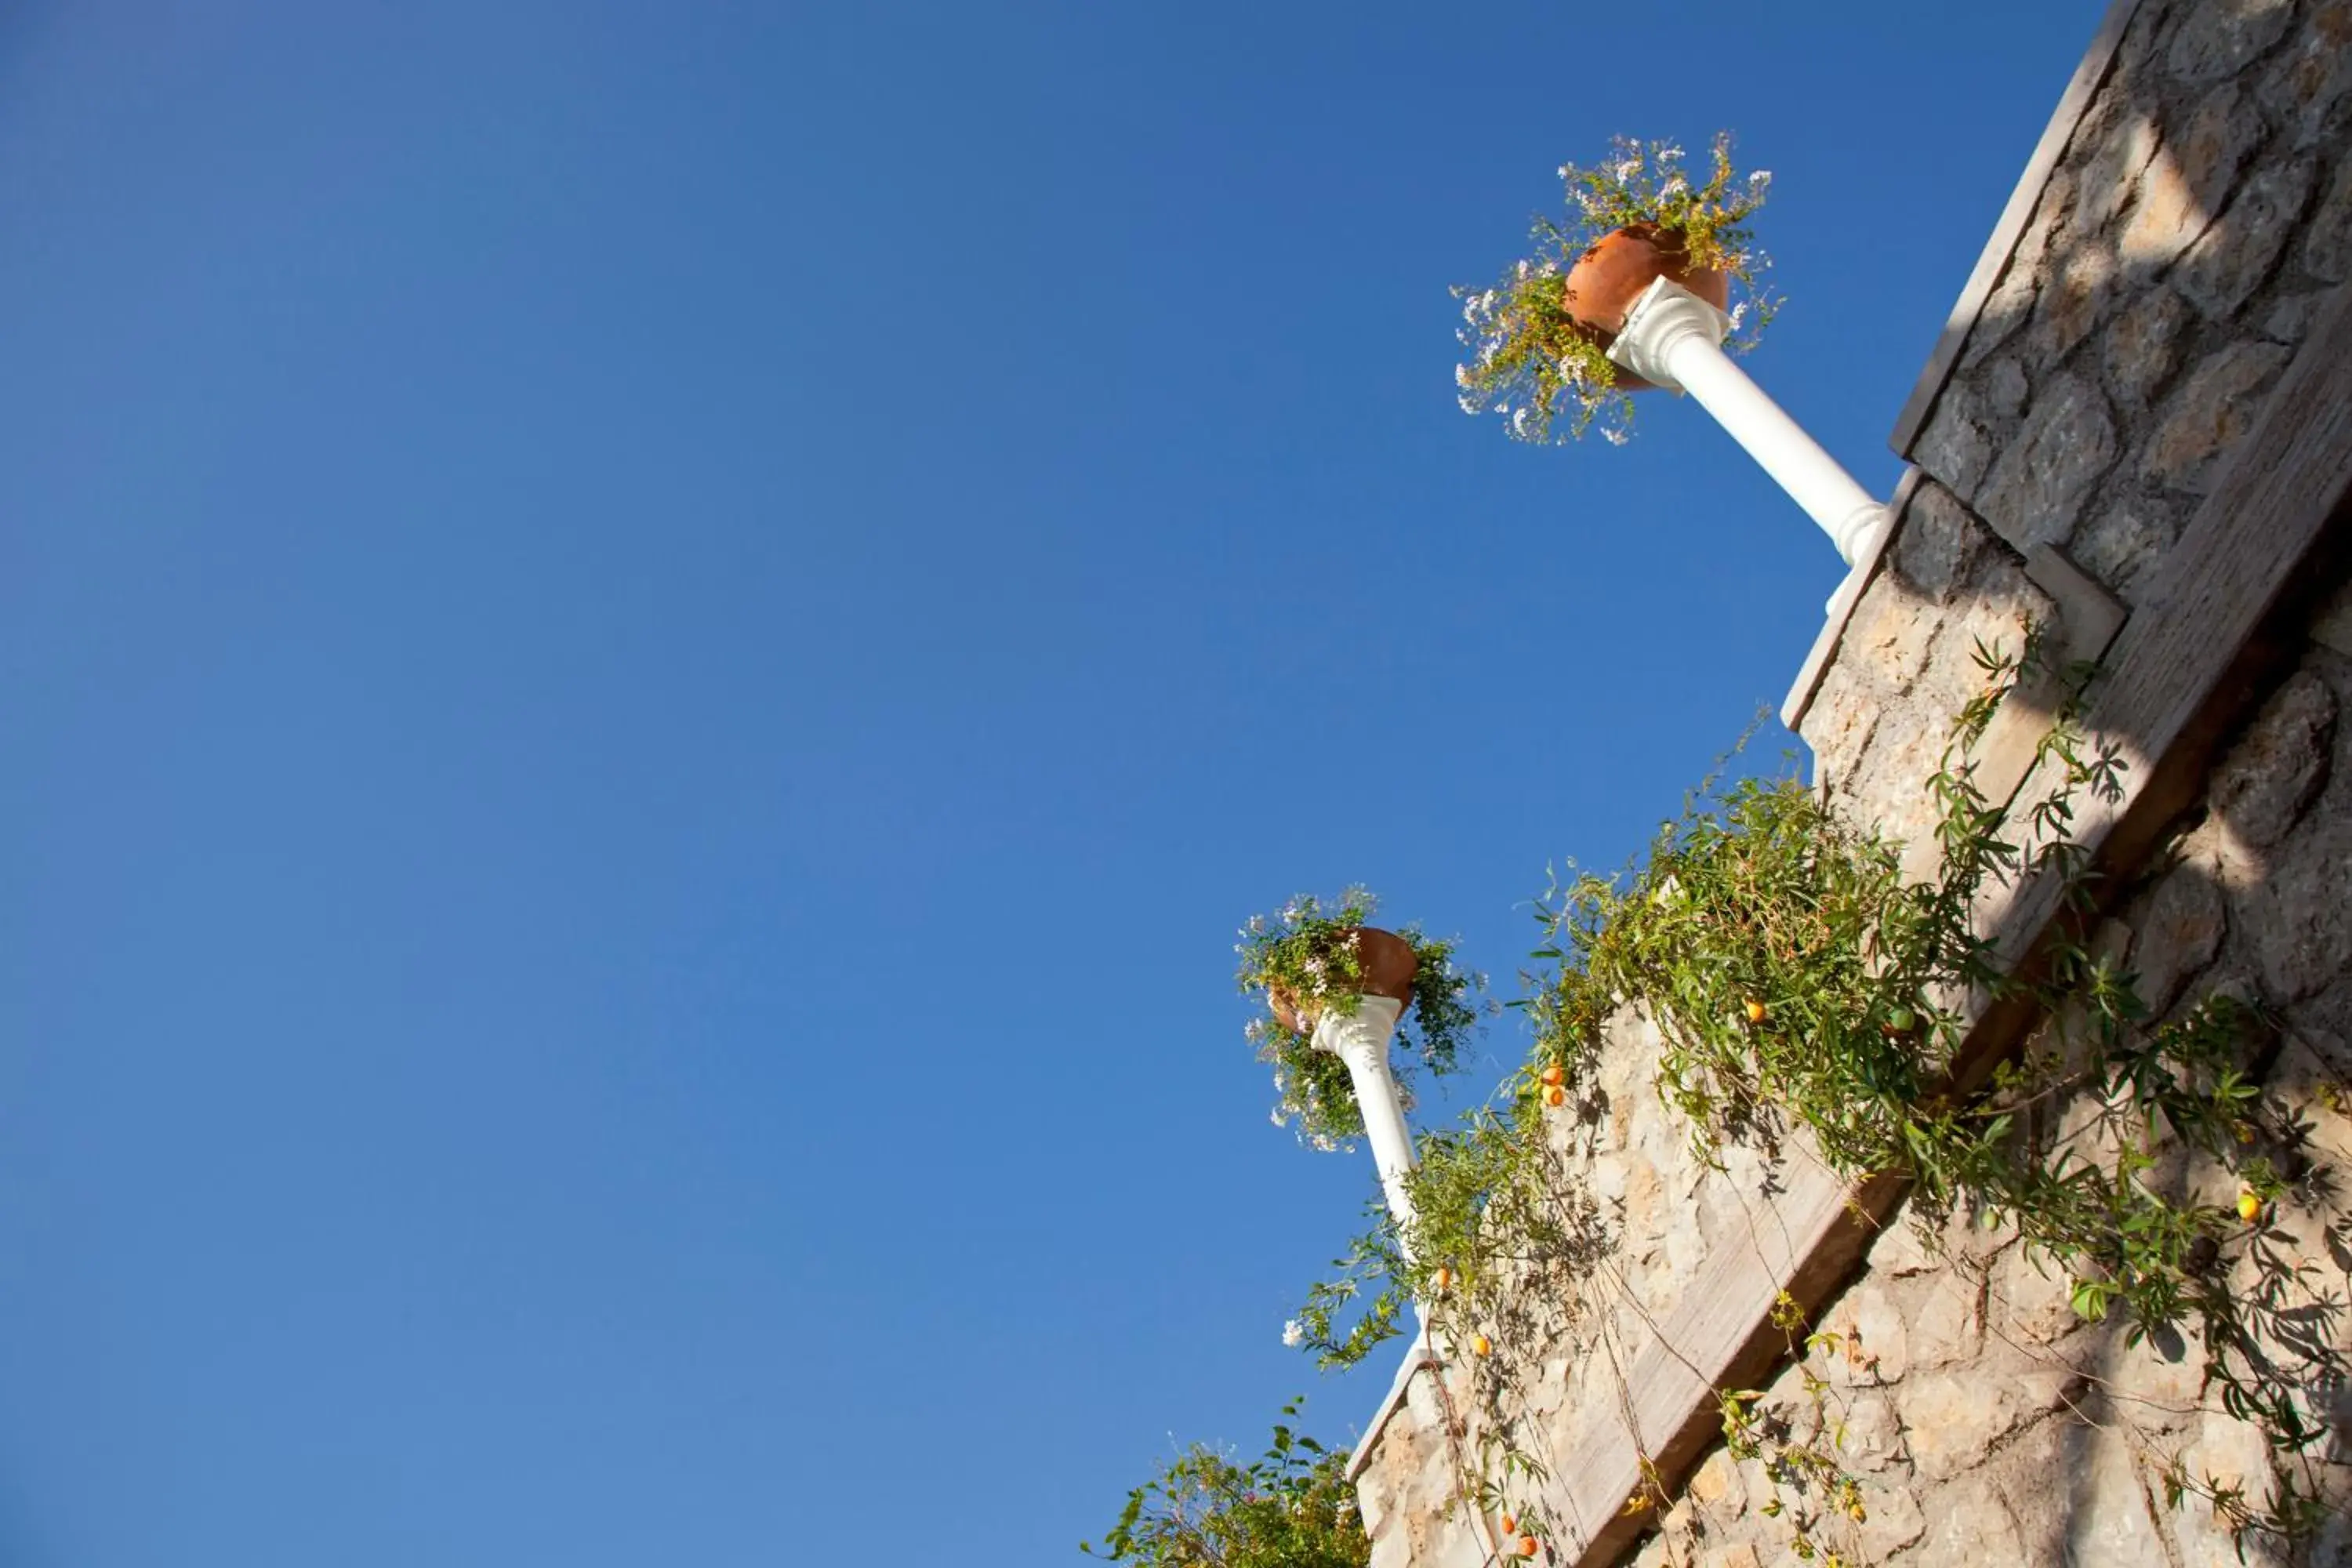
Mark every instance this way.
x=1606 y=280
x=1388 y=968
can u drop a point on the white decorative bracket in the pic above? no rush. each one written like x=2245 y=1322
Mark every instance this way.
x=1674 y=338
x=1361 y=1039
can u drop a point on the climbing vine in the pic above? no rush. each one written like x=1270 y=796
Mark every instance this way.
x=1800 y=984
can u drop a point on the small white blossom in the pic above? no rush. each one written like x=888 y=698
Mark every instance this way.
x=1294 y=1334
x=1613 y=436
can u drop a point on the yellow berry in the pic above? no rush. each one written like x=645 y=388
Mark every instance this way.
x=1755 y=1011
x=2249 y=1207
x=1480 y=1345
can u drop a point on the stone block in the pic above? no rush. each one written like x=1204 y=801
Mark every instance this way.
x=2308 y=88
x=1874 y=1348
x=2210 y=414
x=2076 y=296
x=1890 y=632
x=2006 y=387
x=2036 y=489
x=2119 y=153
x=1894 y=1520
x=1970 y=1526
x=2180 y=933
x=1867 y=1435
x=2290 y=318
x=2190 y=178
x=2237 y=254
x=1936 y=547
x=2107 y=1517
x=1901 y=1251
x=1955 y=446
x=2296 y=919
x=2271 y=776
x=2124 y=545
x=2327 y=238
x=1951 y=1420
x=1947 y=1326
x=2227 y=1452
x=2033 y=1296
x=2142 y=348
x=2219 y=38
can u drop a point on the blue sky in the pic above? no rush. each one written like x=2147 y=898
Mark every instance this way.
x=649 y=650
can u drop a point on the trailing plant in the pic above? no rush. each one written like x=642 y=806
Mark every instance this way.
x=1796 y=980
x=1305 y=961
x=1548 y=375
x=1293 y=1508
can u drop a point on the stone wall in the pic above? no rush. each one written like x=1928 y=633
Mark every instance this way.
x=2195 y=224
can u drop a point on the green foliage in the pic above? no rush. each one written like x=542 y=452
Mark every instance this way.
x=1549 y=376
x=1304 y=959
x=1796 y=980
x=1294 y=1507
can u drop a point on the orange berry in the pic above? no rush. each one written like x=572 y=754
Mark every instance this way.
x=2249 y=1207
x=1480 y=1345
x=1526 y=1546
x=1554 y=1076
x=1443 y=1278
x=1510 y=1525
x=1555 y=1094
x=1755 y=1011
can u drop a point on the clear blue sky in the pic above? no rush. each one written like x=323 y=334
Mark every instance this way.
x=647 y=652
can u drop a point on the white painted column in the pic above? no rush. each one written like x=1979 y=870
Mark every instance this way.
x=1361 y=1039
x=1674 y=339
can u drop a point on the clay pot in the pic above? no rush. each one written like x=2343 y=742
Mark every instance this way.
x=1606 y=280
x=1388 y=968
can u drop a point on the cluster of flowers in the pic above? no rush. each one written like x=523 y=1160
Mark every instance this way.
x=1303 y=962
x=1547 y=376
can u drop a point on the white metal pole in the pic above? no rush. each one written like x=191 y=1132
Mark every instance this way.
x=1361 y=1039
x=1674 y=339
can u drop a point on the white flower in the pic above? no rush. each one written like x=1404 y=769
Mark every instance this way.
x=1518 y=421
x=1739 y=314
x=1523 y=270
x=1294 y=1334
x=1614 y=436
x=1278 y=1117
x=1461 y=376
x=1760 y=179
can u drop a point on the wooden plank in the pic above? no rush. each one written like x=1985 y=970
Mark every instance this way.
x=2183 y=670
x=2071 y=105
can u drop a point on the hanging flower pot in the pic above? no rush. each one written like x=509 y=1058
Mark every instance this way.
x=1540 y=337
x=1610 y=275
x=1312 y=960
x=1385 y=965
